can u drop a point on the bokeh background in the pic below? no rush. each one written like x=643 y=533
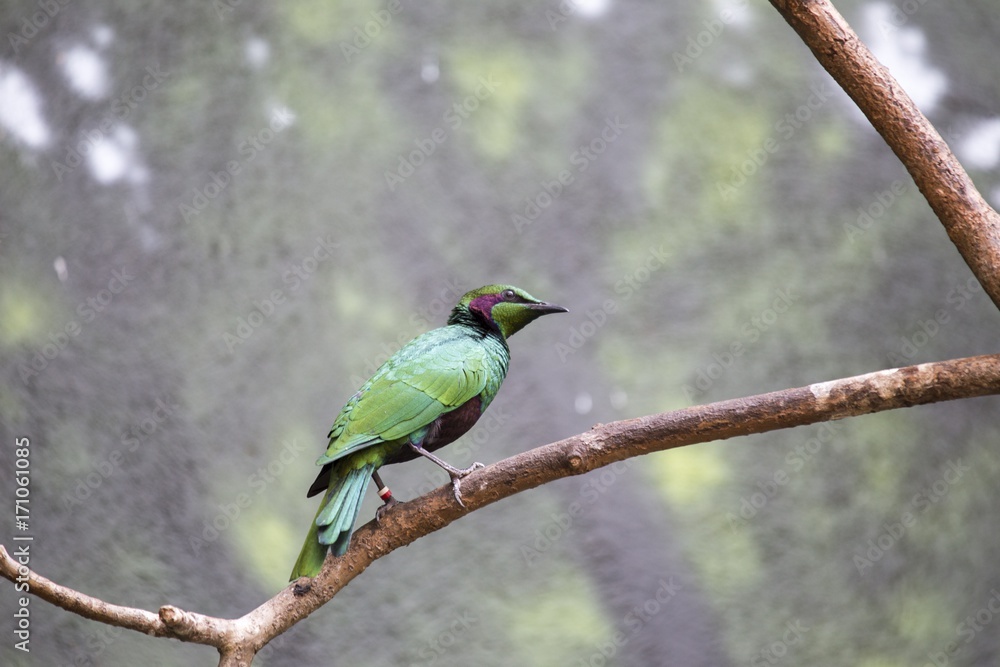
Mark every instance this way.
x=217 y=219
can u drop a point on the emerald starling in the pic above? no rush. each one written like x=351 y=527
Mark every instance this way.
x=424 y=397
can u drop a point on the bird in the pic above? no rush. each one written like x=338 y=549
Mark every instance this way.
x=425 y=396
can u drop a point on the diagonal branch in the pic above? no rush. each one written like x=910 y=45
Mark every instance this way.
x=238 y=640
x=972 y=225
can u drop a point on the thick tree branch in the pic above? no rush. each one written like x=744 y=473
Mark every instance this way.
x=972 y=225
x=238 y=640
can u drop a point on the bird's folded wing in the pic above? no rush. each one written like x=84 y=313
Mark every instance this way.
x=407 y=396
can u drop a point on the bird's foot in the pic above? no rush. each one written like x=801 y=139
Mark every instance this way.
x=456 y=474
x=382 y=509
x=456 y=479
x=471 y=469
x=385 y=494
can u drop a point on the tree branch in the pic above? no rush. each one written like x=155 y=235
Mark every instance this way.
x=238 y=640
x=972 y=225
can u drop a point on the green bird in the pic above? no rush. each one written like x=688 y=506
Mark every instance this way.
x=424 y=397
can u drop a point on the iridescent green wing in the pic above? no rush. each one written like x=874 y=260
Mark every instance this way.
x=432 y=375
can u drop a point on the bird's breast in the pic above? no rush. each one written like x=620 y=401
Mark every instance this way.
x=450 y=426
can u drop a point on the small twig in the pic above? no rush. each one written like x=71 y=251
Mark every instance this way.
x=170 y=622
x=79 y=603
x=238 y=640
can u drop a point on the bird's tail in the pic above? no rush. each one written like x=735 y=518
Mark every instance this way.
x=334 y=521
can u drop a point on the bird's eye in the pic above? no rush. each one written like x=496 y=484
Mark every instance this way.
x=508 y=295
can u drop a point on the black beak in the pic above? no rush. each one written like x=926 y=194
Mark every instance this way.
x=545 y=308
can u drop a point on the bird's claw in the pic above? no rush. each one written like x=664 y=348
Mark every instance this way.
x=382 y=509
x=456 y=480
x=456 y=487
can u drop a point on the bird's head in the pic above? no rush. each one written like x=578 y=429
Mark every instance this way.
x=503 y=308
